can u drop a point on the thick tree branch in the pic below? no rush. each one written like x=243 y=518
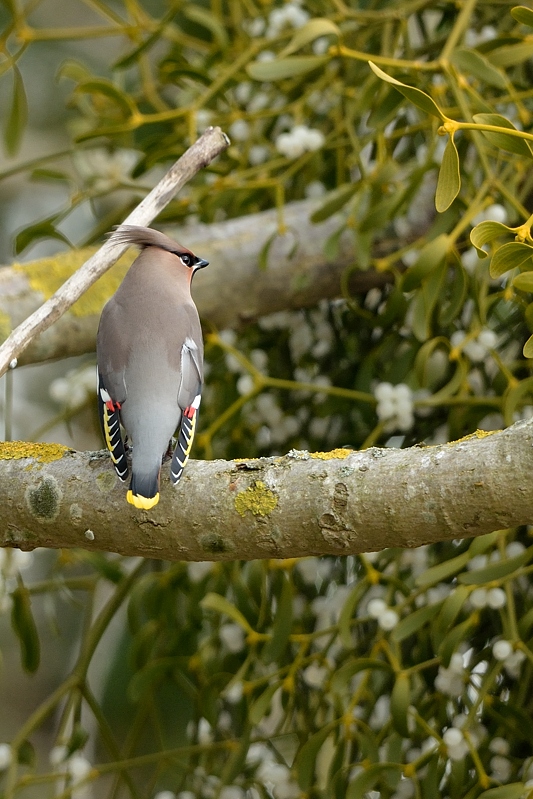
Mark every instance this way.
x=201 y=153
x=232 y=291
x=340 y=503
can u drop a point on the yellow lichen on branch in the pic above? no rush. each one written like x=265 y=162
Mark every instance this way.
x=44 y=453
x=257 y=498
x=476 y=434
x=334 y=453
x=47 y=275
x=5 y=325
x=304 y=455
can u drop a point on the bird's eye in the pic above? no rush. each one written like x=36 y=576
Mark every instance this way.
x=186 y=259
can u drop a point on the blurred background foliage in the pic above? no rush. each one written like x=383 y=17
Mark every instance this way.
x=397 y=675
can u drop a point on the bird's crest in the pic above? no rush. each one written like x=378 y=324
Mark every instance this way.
x=146 y=237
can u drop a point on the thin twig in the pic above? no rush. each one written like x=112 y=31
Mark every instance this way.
x=201 y=153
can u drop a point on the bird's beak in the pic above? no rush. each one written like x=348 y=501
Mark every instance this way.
x=200 y=264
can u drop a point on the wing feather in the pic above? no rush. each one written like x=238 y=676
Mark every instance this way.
x=189 y=397
x=109 y=415
x=185 y=439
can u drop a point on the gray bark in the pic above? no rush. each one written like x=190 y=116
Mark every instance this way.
x=280 y=507
x=233 y=290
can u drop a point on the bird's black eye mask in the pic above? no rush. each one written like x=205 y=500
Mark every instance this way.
x=192 y=261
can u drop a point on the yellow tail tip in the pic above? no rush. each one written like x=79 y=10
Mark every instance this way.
x=144 y=503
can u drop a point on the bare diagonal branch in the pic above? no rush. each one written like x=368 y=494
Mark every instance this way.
x=201 y=153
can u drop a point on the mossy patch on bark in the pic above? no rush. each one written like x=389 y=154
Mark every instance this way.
x=44 y=499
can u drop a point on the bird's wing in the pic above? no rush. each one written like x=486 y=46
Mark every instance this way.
x=109 y=414
x=191 y=374
x=111 y=390
x=189 y=397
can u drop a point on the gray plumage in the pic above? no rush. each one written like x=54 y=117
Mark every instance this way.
x=150 y=360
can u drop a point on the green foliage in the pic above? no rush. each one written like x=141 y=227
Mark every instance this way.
x=416 y=96
x=17 y=117
x=269 y=675
x=25 y=628
x=404 y=673
x=449 y=183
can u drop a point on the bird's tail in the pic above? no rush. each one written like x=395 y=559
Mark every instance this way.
x=144 y=490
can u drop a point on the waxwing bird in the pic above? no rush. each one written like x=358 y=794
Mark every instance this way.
x=150 y=351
